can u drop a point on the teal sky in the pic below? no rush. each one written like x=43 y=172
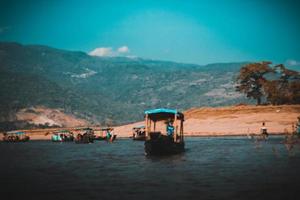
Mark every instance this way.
x=185 y=31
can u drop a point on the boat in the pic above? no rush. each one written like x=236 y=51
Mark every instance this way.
x=164 y=142
x=84 y=136
x=100 y=133
x=138 y=133
x=106 y=134
x=15 y=136
x=62 y=136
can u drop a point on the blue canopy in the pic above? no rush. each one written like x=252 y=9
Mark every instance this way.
x=161 y=110
x=16 y=132
x=163 y=113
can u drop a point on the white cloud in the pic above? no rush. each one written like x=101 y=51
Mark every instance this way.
x=123 y=49
x=292 y=62
x=109 y=51
x=102 y=51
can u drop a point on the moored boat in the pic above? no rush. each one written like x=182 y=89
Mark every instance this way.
x=168 y=142
x=106 y=134
x=84 y=136
x=62 y=136
x=15 y=136
x=138 y=133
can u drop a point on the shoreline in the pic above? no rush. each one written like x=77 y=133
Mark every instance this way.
x=42 y=137
x=242 y=120
x=186 y=136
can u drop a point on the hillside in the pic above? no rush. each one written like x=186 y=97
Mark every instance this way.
x=106 y=90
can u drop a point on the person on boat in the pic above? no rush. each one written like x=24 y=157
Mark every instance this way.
x=141 y=131
x=108 y=134
x=170 y=129
x=263 y=130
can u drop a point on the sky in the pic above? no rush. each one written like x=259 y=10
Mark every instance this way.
x=190 y=31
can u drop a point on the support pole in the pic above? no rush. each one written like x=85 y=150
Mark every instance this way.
x=146 y=126
x=181 y=131
x=175 y=128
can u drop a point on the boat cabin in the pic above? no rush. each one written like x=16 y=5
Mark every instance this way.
x=164 y=131
x=62 y=136
x=84 y=135
x=173 y=120
x=138 y=133
x=108 y=134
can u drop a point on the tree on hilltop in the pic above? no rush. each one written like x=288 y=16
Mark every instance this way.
x=251 y=80
x=278 y=85
x=285 y=89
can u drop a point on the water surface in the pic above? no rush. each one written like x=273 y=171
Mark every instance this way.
x=211 y=168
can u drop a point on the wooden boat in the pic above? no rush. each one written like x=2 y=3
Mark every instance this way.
x=100 y=134
x=15 y=136
x=62 y=136
x=138 y=133
x=158 y=143
x=84 y=136
x=106 y=134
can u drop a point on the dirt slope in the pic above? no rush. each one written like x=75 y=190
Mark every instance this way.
x=238 y=120
x=42 y=115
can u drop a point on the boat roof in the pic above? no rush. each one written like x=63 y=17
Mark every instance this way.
x=107 y=128
x=84 y=128
x=163 y=113
x=138 y=127
x=15 y=132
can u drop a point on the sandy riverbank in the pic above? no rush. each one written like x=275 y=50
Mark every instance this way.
x=221 y=121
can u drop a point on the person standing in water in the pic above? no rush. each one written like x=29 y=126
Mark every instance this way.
x=263 y=130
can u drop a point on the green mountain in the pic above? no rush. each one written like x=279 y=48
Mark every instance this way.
x=107 y=89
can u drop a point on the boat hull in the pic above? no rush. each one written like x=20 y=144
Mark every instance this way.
x=16 y=139
x=105 y=138
x=100 y=138
x=163 y=146
x=139 y=138
x=84 y=139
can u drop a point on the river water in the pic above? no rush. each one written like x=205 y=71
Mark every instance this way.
x=211 y=168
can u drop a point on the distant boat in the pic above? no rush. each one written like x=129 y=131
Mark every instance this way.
x=158 y=143
x=138 y=133
x=106 y=134
x=15 y=136
x=62 y=136
x=84 y=136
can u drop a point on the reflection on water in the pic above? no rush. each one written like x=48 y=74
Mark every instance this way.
x=211 y=168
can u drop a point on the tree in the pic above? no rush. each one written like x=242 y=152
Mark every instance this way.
x=285 y=89
x=251 y=80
